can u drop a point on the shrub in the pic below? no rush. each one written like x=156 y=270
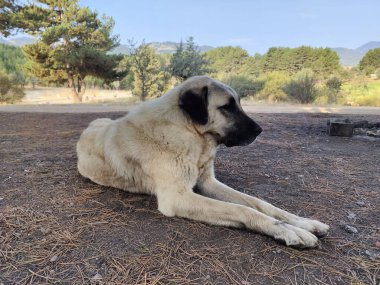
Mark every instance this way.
x=273 y=83
x=302 y=87
x=243 y=85
x=9 y=93
x=333 y=84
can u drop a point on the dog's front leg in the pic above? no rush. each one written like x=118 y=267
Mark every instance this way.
x=187 y=204
x=211 y=187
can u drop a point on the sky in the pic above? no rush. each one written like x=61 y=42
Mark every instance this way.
x=255 y=25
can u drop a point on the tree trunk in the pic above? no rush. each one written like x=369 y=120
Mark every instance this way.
x=78 y=89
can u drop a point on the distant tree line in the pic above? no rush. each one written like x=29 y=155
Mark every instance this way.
x=74 y=43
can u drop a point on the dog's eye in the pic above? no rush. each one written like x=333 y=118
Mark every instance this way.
x=229 y=106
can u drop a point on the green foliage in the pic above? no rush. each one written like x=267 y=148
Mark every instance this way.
x=333 y=85
x=371 y=61
x=11 y=59
x=73 y=43
x=243 y=85
x=361 y=93
x=187 y=62
x=323 y=61
x=226 y=60
x=272 y=90
x=149 y=78
x=252 y=66
x=9 y=92
x=302 y=87
x=8 y=8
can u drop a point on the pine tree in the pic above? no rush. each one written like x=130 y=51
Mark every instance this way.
x=72 y=43
x=7 y=20
x=187 y=62
x=149 y=78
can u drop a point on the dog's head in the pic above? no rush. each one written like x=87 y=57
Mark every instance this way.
x=214 y=108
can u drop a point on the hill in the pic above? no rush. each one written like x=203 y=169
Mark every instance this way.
x=352 y=57
x=159 y=47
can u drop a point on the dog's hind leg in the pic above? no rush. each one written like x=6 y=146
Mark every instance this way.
x=214 y=189
x=187 y=204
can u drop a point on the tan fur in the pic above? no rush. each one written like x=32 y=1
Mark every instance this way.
x=157 y=149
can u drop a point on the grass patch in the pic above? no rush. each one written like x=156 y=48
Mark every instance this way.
x=361 y=93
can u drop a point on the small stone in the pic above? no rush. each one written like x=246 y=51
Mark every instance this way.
x=45 y=231
x=361 y=203
x=351 y=216
x=97 y=276
x=371 y=255
x=377 y=244
x=375 y=134
x=54 y=258
x=350 y=229
x=1 y=198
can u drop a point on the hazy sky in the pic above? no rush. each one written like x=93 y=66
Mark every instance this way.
x=254 y=25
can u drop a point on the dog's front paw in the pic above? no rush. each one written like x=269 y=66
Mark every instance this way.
x=313 y=226
x=295 y=237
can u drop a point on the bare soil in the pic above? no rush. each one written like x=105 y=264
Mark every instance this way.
x=57 y=227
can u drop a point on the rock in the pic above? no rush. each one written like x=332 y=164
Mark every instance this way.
x=377 y=244
x=375 y=134
x=371 y=255
x=339 y=127
x=97 y=276
x=54 y=258
x=350 y=229
x=361 y=203
x=351 y=216
x=45 y=231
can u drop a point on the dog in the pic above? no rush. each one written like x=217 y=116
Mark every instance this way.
x=166 y=147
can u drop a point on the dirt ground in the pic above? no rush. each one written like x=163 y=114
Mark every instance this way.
x=59 y=228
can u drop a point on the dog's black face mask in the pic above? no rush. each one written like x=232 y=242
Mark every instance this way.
x=243 y=129
x=240 y=129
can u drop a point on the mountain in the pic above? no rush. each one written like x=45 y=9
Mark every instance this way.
x=19 y=41
x=352 y=57
x=159 y=47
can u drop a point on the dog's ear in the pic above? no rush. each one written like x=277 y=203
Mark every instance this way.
x=195 y=104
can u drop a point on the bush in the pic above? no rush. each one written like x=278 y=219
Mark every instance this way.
x=9 y=93
x=302 y=87
x=273 y=83
x=243 y=85
x=333 y=84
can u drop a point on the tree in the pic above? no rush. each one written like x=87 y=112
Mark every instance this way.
x=8 y=8
x=371 y=61
x=72 y=43
x=227 y=60
x=252 y=66
x=149 y=78
x=323 y=61
x=12 y=59
x=188 y=61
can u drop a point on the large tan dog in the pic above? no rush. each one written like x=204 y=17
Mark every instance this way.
x=167 y=146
